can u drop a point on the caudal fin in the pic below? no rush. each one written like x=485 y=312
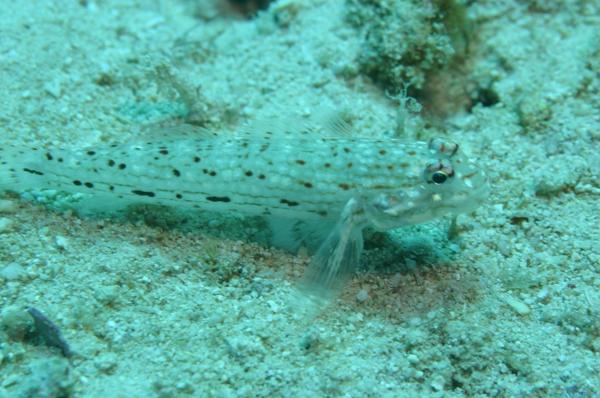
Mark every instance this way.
x=18 y=169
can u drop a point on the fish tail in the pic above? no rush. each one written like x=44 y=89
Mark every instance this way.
x=19 y=168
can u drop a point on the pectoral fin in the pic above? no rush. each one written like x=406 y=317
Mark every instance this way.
x=337 y=258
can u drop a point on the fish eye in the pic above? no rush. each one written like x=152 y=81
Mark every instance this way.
x=439 y=177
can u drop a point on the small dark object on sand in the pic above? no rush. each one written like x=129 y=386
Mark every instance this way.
x=48 y=332
x=249 y=7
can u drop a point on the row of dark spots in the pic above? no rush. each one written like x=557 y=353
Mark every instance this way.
x=90 y=185
x=211 y=173
x=50 y=157
x=249 y=173
x=151 y=194
x=85 y=184
x=112 y=163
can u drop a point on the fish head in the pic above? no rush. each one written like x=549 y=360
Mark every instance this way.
x=442 y=181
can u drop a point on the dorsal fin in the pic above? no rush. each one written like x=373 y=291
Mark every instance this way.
x=322 y=124
x=180 y=131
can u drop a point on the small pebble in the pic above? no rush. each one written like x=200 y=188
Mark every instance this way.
x=518 y=306
x=362 y=295
x=412 y=359
x=7 y=206
x=6 y=224
x=61 y=242
x=53 y=88
x=437 y=383
x=12 y=272
x=16 y=322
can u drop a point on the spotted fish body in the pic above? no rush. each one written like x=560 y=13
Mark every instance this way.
x=350 y=182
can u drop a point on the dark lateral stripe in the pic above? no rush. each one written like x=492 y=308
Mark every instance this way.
x=37 y=173
x=143 y=193
x=218 y=198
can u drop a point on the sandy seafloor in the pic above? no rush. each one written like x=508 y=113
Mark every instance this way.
x=509 y=307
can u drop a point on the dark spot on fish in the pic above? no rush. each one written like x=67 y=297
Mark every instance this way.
x=327 y=165
x=77 y=182
x=88 y=185
x=91 y=153
x=322 y=213
x=111 y=188
x=264 y=147
x=49 y=156
x=411 y=153
x=349 y=165
x=178 y=196
x=143 y=193
x=248 y=173
x=176 y=173
x=218 y=199
x=347 y=150
x=163 y=151
x=111 y=163
x=196 y=159
x=212 y=173
x=122 y=166
x=308 y=185
x=38 y=173
x=344 y=186
x=382 y=152
x=60 y=160
x=261 y=177
x=404 y=165
x=300 y=162
x=290 y=203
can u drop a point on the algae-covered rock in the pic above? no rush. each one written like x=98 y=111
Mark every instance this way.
x=15 y=322
x=405 y=40
x=49 y=378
